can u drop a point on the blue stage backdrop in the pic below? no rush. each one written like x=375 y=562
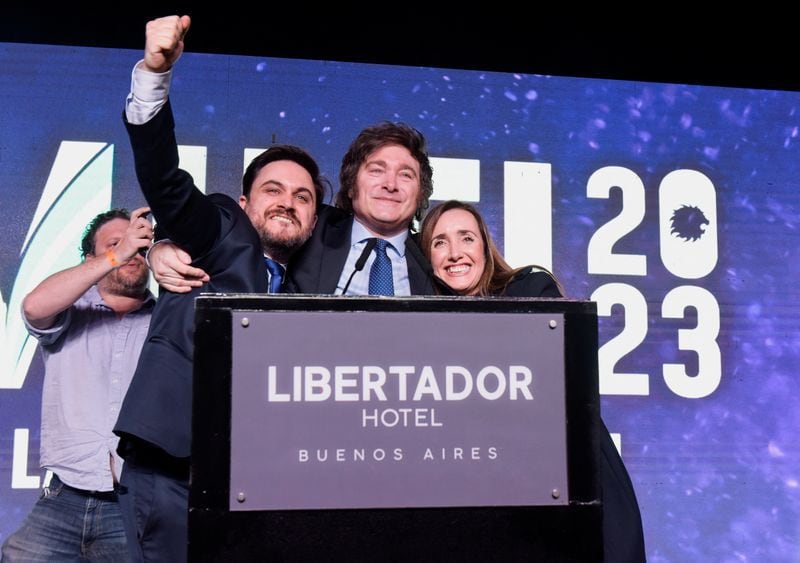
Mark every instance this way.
x=675 y=207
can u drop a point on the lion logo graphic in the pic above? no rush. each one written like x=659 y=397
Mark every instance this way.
x=688 y=222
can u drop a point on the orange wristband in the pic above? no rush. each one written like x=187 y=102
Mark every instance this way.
x=112 y=258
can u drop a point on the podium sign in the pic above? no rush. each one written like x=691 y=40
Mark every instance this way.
x=404 y=409
x=394 y=429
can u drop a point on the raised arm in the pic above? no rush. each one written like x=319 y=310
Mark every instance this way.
x=181 y=210
x=62 y=289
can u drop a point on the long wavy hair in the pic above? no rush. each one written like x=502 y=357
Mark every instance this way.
x=497 y=273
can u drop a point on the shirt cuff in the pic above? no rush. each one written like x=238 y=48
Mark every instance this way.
x=152 y=246
x=149 y=92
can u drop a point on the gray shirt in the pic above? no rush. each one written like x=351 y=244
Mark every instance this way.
x=89 y=358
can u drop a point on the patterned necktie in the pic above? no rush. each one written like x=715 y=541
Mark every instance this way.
x=380 y=275
x=275 y=275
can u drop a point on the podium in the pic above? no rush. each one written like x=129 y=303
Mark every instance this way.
x=394 y=429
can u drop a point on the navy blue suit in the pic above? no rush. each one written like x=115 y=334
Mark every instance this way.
x=218 y=234
x=154 y=422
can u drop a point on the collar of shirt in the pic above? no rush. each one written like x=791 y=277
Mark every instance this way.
x=149 y=92
x=360 y=280
x=96 y=300
x=360 y=233
x=271 y=258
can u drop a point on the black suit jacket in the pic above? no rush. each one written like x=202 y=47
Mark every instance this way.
x=623 y=536
x=532 y=283
x=317 y=267
x=215 y=230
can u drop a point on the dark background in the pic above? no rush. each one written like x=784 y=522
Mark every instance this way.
x=653 y=42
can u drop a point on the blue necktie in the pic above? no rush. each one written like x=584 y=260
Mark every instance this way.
x=380 y=275
x=275 y=275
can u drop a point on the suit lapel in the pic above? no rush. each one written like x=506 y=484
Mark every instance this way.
x=319 y=268
x=336 y=244
x=419 y=269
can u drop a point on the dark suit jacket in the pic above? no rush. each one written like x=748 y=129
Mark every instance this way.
x=317 y=267
x=213 y=229
x=623 y=536
x=532 y=283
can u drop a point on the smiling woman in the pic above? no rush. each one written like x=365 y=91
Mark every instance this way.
x=457 y=251
x=456 y=240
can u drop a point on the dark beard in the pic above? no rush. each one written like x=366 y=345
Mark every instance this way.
x=283 y=248
x=127 y=286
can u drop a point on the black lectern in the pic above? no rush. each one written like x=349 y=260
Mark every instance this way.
x=394 y=429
